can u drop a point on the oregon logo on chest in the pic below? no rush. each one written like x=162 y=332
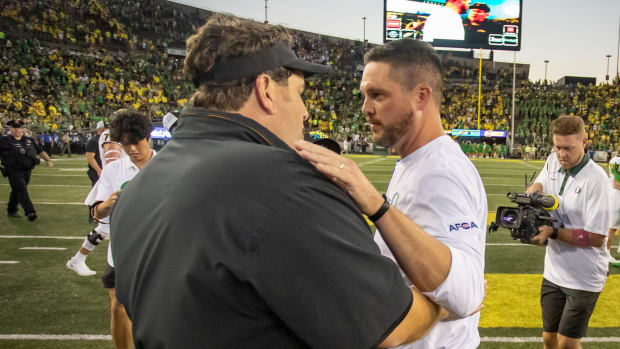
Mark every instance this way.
x=464 y=225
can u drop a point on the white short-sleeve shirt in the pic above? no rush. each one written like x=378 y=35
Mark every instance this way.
x=114 y=177
x=584 y=203
x=615 y=196
x=439 y=188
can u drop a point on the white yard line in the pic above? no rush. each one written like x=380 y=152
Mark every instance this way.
x=105 y=337
x=58 y=337
x=57 y=175
x=374 y=161
x=73 y=169
x=41 y=237
x=505 y=244
x=53 y=185
x=539 y=339
x=44 y=248
x=51 y=203
x=9 y=262
x=77 y=158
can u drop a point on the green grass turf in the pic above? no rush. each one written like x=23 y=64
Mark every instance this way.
x=40 y=296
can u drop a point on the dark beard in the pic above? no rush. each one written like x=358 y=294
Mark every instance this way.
x=394 y=133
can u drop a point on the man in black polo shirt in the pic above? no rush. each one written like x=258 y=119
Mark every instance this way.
x=228 y=239
x=92 y=155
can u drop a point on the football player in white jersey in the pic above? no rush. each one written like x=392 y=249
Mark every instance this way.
x=133 y=130
x=432 y=220
x=109 y=151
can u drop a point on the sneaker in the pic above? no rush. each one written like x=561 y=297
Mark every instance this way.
x=32 y=216
x=14 y=214
x=79 y=267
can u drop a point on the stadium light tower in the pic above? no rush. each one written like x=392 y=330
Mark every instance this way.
x=364 y=20
x=546 y=63
x=607 y=76
x=618 y=53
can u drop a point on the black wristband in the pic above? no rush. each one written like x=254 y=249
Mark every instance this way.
x=554 y=235
x=381 y=211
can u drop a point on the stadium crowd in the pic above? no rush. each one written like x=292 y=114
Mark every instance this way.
x=65 y=65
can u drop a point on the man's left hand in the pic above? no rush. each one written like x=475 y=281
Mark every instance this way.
x=49 y=163
x=544 y=232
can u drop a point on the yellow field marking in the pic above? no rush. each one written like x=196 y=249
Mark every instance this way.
x=513 y=300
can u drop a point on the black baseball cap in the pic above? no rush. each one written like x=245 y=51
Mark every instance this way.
x=480 y=6
x=279 y=55
x=15 y=123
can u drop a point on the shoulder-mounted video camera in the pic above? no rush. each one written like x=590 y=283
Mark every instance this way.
x=532 y=211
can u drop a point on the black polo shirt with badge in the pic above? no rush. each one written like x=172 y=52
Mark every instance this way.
x=20 y=154
x=228 y=239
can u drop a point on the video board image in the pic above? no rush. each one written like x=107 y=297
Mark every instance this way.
x=488 y=24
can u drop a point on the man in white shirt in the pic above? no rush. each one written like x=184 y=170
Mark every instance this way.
x=445 y=22
x=614 y=173
x=108 y=151
x=133 y=131
x=576 y=260
x=433 y=216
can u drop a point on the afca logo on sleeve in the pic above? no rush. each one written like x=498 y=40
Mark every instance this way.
x=465 y=225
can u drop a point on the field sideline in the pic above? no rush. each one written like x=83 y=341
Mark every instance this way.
x=46 y=306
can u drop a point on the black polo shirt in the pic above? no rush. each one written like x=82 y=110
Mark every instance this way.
x=93 y=147
x=19 y=154
x=228 y=239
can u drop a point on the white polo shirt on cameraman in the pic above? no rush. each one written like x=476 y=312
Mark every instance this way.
x=615 y=196
x=584 y=203
x=113 y=177
x=441 y=191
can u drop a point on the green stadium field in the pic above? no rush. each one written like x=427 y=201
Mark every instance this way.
x=43 y=305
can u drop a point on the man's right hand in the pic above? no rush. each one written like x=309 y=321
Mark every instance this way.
x=616 y=185
x=103 y=210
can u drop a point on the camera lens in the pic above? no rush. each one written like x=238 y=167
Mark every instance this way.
x=509 y=218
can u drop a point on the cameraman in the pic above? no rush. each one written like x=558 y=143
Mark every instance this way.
x=19 y=156
x=576 y=258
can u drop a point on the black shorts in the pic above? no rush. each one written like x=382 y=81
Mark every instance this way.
x=108 y=277
x=565 y=310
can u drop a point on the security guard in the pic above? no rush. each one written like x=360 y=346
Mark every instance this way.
x=18 y=155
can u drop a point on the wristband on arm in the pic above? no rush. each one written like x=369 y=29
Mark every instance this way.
x=554 y=235
x=381 y=211
x=581 y=238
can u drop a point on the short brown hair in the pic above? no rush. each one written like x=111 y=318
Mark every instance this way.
x=566 y=125
x=411 y=62
x=131 y=124
x=223 y=37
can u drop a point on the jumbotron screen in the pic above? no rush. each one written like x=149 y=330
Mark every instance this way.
x=488 y=24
